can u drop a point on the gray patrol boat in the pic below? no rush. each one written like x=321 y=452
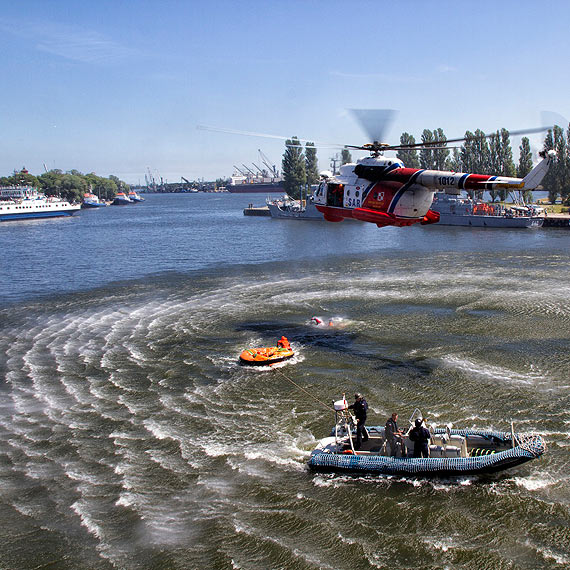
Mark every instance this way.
x=458 y=211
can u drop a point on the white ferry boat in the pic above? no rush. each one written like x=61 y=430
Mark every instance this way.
x=458 y=211
x=25 y=202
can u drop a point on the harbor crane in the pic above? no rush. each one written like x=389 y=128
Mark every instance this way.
x=248 y=169
x=272 y=168
x=240 y=170
x=262 y=172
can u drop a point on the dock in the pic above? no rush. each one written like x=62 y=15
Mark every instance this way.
x=557 y=221
x=252 y=210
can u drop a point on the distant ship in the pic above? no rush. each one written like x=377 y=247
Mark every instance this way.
x=25 y=202
x=457 y=211
x=242 y=185
x=262 y=180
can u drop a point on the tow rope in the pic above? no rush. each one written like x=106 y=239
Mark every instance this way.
x=303 y=389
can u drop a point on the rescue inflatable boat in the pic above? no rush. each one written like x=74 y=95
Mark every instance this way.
x=452 y=452
x=268 y=355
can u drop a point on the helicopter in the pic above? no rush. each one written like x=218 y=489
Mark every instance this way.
x=383 y=191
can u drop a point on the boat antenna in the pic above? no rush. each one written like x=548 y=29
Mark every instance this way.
x=303 y=389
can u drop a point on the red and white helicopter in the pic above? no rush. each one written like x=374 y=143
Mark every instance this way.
x=383 y=191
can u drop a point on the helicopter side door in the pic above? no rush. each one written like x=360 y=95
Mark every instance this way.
x=335 y=195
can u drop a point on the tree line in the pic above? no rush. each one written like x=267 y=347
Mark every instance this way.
x=70 y=185
x=299 y=167
x=478 y=154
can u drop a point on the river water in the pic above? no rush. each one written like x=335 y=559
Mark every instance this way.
x=131 y=438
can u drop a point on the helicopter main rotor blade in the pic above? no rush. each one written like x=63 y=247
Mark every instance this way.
x=267 y=136
x=374 y=122
x=427 y=145
x=511 y=133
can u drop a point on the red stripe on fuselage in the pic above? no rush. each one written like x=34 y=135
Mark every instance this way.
x=473 y=181
x=404 y=175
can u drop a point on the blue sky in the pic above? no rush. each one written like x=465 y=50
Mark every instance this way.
x=117 y=87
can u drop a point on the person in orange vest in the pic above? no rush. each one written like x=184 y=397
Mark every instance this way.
x=283 y=343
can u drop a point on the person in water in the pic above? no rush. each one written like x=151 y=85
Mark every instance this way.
x=394 y=434
x=283 y=343
x=360 y=408
x=420 y=436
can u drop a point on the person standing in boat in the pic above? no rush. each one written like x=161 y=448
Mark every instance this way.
x=360 y=408
x=420 y=436
x=394 y=435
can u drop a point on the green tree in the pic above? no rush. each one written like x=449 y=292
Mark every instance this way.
x=508 y=164
x=525 y=165
x=525 y=158
x=427 y=159
x=494 y=161
x=293 y=168
x=408 y=156
x=440 y=155
x=105 y=188
x=500 y=160
x=556 y=179
x=475 y=155
x=22 y=178
x=311 y=164
x=466 y=153
x=454 y=163
x=480 y=153
x=72 y=185
x=346 y=157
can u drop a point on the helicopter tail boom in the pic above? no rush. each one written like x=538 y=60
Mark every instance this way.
x=454 y=182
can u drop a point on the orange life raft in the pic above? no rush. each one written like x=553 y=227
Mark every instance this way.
x=268 y=355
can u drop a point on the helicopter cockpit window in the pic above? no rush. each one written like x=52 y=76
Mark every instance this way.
x=335 y=195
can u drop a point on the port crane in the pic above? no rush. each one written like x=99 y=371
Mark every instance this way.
x=240 y=171
x=265 y=160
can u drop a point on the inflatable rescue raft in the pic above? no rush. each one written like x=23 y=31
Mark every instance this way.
x=268 y=355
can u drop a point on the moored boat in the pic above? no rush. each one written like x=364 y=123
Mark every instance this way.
x=134 y=197
x=121 y=199
x=268 y=355
x=452 y=452
x=91 y=200
x=25 y=202
x=287 y=208
x=457 y=211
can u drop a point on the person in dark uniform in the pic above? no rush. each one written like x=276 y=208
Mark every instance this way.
x=360 y=408
x=393 y=434
x=420 y=436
